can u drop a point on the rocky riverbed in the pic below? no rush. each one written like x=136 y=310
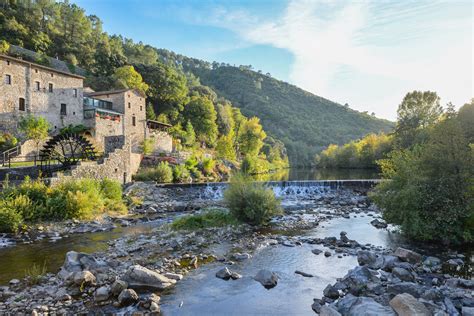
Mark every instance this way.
x=162 y=270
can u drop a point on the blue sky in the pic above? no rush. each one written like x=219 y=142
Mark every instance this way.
x=366 y=53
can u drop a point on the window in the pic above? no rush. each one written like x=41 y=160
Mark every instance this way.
x=8 y=79
x=134 y=121
x=52 y=75
x=129 y=105
x=141 y=108
x=8 y=63
x=75 y=93
x=21 y=105
x=50 y=87
x=63 y=109
x=36 y=71
x=37 y=86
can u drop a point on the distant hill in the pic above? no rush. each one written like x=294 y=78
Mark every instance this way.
x=305 y=122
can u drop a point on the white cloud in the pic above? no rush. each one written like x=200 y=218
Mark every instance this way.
x=368 y=54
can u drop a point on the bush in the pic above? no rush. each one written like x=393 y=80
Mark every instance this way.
x=162 y=173
x=254 y=165
x=208 y=165
x=209 y=218
x=180 y=173
x=10 y=219
x=32 y=201
x=251 y=202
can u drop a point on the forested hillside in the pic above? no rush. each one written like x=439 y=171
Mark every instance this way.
x=177 y=86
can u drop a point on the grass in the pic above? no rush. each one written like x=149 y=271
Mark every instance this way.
x=35 y=273
x=214 y=217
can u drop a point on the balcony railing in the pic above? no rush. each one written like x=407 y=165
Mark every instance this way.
x=93 y=113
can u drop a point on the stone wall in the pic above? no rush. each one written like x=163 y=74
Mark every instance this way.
x=162 y=142
x=118 y=165
x=101 y=128
x=67 y=89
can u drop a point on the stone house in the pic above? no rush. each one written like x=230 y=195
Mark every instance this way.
x=59 y=96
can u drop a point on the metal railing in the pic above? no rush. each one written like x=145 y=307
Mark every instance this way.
x=7 y=155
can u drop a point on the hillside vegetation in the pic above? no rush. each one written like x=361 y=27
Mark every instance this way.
x=304 y=122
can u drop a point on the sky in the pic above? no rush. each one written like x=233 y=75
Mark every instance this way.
x=368 y=54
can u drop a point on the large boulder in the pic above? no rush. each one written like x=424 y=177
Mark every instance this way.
x=267 y=278
x=328 y=311
x=406 y=287
x=226 y=274
x=367 y=306
x=117 y=287
x=78 y=261
x=403 y=274
x=102 y=294
x=370 y=259
x=84 y=278
x=405 y=304
x=358 y=278
x=408 y=255
x=139 y=278
x=127 y=297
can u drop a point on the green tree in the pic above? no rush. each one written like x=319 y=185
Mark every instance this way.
x=466 y=119
x=418 y=111
x=225 y=148
x=34 y=128
x=251 y=137
x=190 y=135
x=202 y=115
x=127 y=77
x=4 y=47
x=150 y=112
x=431 y=192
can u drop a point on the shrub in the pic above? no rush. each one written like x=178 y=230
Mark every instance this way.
x=254 y=165
x=163 y=173
x=208 y=218
x=10 y=219
x=35 y=274
x=208 y=165
x=111 y=189
x=147 y=146
x=4 y=47
x=83 y=205
x=251 y=202
x=7 y=141
x=180 y=173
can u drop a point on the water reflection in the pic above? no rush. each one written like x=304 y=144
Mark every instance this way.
x=292 y=174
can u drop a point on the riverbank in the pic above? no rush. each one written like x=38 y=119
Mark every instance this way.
x=322 y=234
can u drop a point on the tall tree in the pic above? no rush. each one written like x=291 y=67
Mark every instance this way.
x=128 y=77
x=202 y=115
x=251 y=137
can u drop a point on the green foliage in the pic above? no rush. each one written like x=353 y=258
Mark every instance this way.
x=362 y=153
x=254 y=165
x=208 y=218
x=7 y=141
x=431 y=192
x=189 y=138
x=417 y=112
x=34 y=128
x=147 y=146
x=127 y=77
x=251 y=202
x=251 y=136
x=466 y=119
x=208 y=165
x=181 y=174
x=225 y=148
x=32 y=201
x=162 y=173
x=4 y=47
x=201 y=113
x=150 y=112
x=10 y=219
x=35 y=274
x=306 y=123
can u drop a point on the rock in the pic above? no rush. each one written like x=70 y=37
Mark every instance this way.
x=316 y=251
x=307 y=275
x=454 y=263
x=173 y=276
x=84 y=278
x=467 y=311
x=328 y=311
x=378 y=224
x=267 y=278
x=406 y=304
x=241 y=256
x=127 y=297
x=402 y=274
x=154 y=307
x=369 y=258
x=331 y=292
x=14 y=282
x=102 y=294
x=432 y=262
x=78 y=261
x=369 y=307
x=117 y=287
x=389 y=262
x=408 y=255
x=358 y=278
x=224 y=273
x=405 y=287
x=327 y=253
x=316 y=306
x=139 y=277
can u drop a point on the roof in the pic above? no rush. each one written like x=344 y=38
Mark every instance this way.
x=99 y=93
x=21 y=61
x=159 y=123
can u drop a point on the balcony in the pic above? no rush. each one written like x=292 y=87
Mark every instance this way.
x=91 y=103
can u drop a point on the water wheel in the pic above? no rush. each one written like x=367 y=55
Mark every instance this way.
x=65 y=150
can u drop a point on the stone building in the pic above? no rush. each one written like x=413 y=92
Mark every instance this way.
x=28 y=88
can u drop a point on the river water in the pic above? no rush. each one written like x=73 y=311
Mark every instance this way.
x=201 y=293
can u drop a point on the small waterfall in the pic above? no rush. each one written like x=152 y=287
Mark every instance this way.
x=290 y=189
